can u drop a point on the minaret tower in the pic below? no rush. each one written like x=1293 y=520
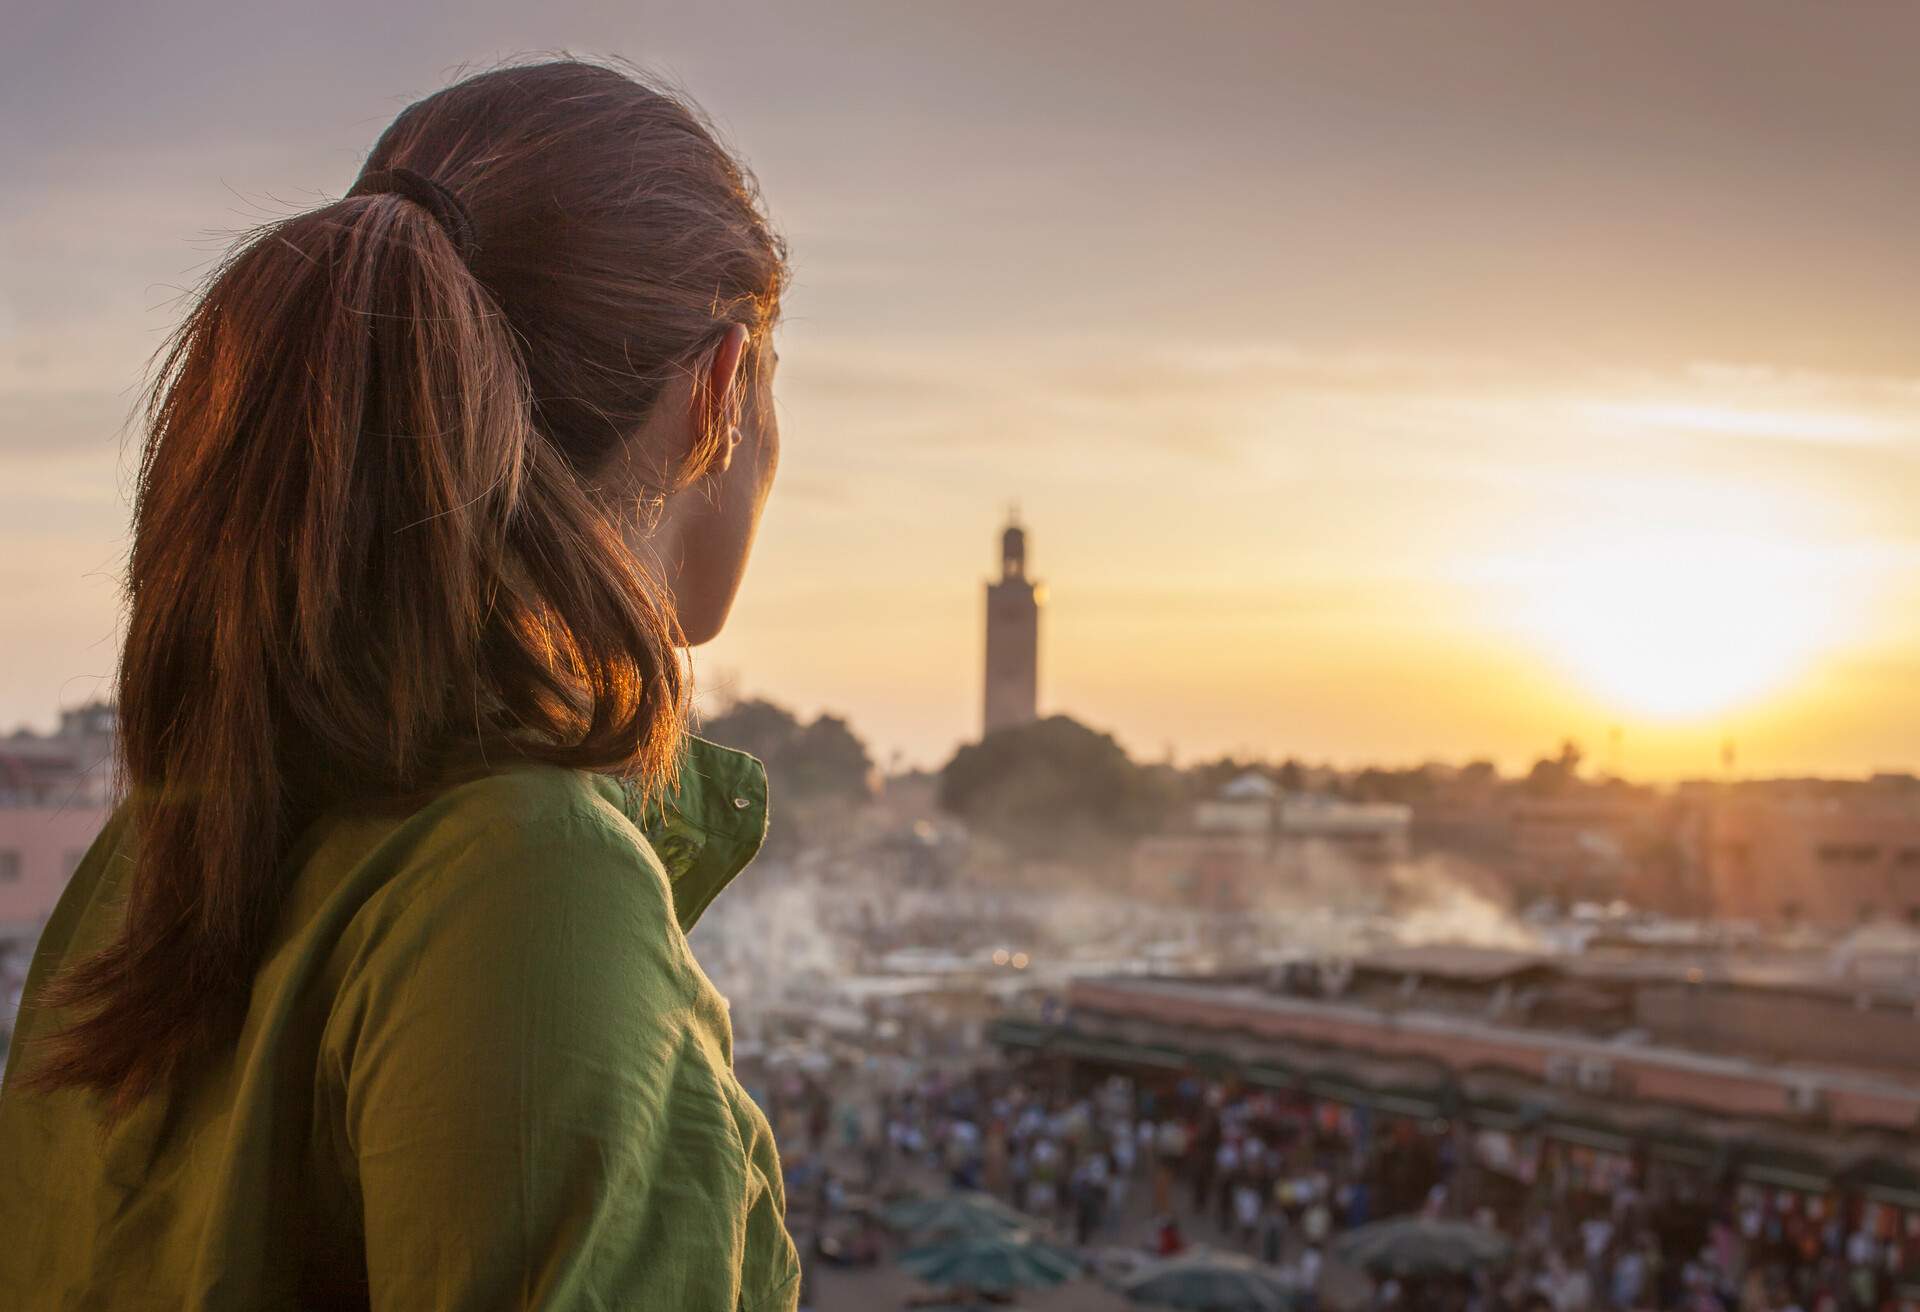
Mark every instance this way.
x=1013 y=635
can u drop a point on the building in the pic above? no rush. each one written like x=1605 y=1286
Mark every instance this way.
x=1590 y=842
x=1802 y=1051
x=55 y=794
x=1312 y=823
x=1714 y=1071
x=1252 y=837
x=1221 y=871
x=1244 y=806
x=1813 y=853
x=1013 y=637
x=1221 y=858
x=56 y=791
x=71 y=765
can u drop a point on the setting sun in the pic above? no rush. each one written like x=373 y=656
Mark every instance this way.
x=1679 y=627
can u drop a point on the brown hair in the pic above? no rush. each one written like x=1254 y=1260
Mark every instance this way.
x=369 y=555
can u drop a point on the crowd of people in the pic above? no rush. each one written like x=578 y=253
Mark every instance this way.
x=1743 y=1247
x=1166 y=1163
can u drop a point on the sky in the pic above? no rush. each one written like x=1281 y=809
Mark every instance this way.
x=1378 y=383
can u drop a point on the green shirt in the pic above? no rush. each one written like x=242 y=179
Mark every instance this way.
x=480 y=1069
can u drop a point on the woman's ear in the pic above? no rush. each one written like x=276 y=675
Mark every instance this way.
x=713 y=398
x=704 y=533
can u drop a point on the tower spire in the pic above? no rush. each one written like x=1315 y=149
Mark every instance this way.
x=1013 y=547
x=1013 y=634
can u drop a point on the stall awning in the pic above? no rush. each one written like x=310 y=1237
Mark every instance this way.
x=1500 y=1116
x=1785 y=1177
x=1885 y=1181
x=1020 y=1033
x=1597 y=1137
x=1676 y=1145
x=1396 y=1102
x=1270 y=1077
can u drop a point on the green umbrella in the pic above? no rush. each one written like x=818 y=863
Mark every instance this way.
x=968 y=1223
x=1014 y=1260
x=1413 y=1246
x=1211 y=1282
x=964 y=1214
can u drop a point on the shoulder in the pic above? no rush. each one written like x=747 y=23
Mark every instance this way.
x=526 y=929
x=531 y=795
x=530 y=872
x=538 y=823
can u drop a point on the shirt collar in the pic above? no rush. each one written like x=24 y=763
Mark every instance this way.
x=708 y=827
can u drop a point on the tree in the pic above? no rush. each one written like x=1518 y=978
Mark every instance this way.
x=755 y=726
x=1379 y=784
x=827 y=760
x=1053 y=788
x=804 y=762
x=1209 y=777
x=1479 y=775
x=1552 y=776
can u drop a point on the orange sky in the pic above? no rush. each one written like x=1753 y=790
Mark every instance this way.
x=1379 y=382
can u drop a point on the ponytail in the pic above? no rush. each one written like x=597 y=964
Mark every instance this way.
x=359 y=572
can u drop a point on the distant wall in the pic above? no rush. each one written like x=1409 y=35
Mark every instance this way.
x=1804 y=1027
x=1810 y=860
x=39 y=848
x=1741 y=1086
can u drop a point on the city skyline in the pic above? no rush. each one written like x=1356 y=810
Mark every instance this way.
x=1392 y=383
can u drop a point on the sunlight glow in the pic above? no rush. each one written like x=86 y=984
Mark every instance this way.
x=1681 y=627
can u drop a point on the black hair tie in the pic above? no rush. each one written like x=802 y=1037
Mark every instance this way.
x=425 y=192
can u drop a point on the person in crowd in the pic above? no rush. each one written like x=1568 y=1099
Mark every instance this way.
x=1089 y=1192
x=1246 y=1211
x=1628 y=1282
x=1317 y=1221
x=1309 y=1270
x=1168 y=1241
x=1170 y=1150
x=1042 y=1188
x=1273 y=1228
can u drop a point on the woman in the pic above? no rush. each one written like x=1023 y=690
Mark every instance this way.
x=375 y=991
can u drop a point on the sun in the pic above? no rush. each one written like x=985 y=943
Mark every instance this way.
x=1685 y=626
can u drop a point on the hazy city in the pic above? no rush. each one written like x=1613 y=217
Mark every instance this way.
x=1289 y=789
